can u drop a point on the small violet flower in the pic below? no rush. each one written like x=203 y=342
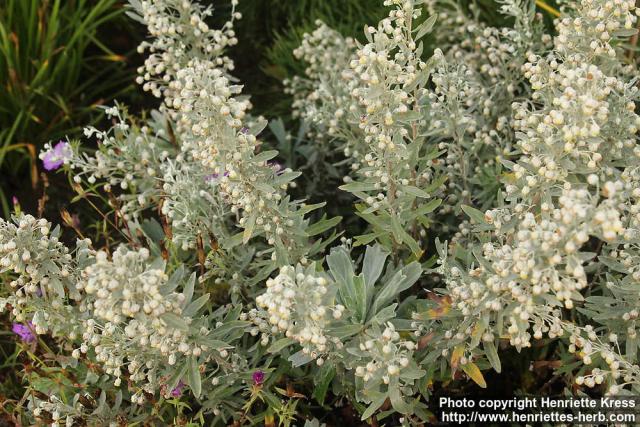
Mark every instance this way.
x=55 y=157
x=24 y=331
x=277 y=167
x=75 y=219
x=258 y=377
x=214 y=176
x=177 y=391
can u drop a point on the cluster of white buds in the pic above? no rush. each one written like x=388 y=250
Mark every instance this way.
x=574 y=183
x=125 y=286
x=617 y=310
x=29 y=249
x=475 y=85
x=135 y=313
x=187 y=68
x=69 y=411
x=129 y=161
x=177 y=25
x=142 y=167
x=393 y=171
x=592 y=349
x=260 y=325
x=328 y=82
x=46 y=271
x=381 y=104
x=301 y=304
x=387 y=354
x=56 y=412
x=596 y=26
x=387 y=68
x=541 y=259
x=122 y=312
x=574 y=128
x=192 y=159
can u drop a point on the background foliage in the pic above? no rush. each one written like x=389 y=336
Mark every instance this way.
x=57 y=57
x=58 y=60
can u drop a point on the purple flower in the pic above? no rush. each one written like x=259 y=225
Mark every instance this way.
x=55 y=157
x=258 y=377
x=24 y=331
x=214 y=176
x=75 y=220
x=15 y=201
x=277 y=167
x=177 y=391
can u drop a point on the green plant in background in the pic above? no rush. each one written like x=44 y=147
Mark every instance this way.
x=54 y=70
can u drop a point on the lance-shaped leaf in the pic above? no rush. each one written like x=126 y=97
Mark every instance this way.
x=193 y=376
x=402 y=280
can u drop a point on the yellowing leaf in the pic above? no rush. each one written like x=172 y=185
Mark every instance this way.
x=472 y=370
x=436 y=313
x=476 y=334
x=444 y=306
x=478 y=329
x=509 y=177
x=455 y=357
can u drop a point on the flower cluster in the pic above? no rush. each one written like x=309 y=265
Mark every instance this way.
x=175 y=24
x=394 y=114
x=142 y=168
x=27 y=248
x=129 y=161
x=474 y=88
x=388 y=356
x=329 y=82
x=188 y=69
x=138 y=320
x=341 y=318
x=369 y=98
x=571 y=185
x=45 y=272
x=188 y=304
x=300 y=304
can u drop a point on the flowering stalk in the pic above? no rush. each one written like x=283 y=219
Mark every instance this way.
x=572 y=183
x=187 y=68
x=371 y=97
